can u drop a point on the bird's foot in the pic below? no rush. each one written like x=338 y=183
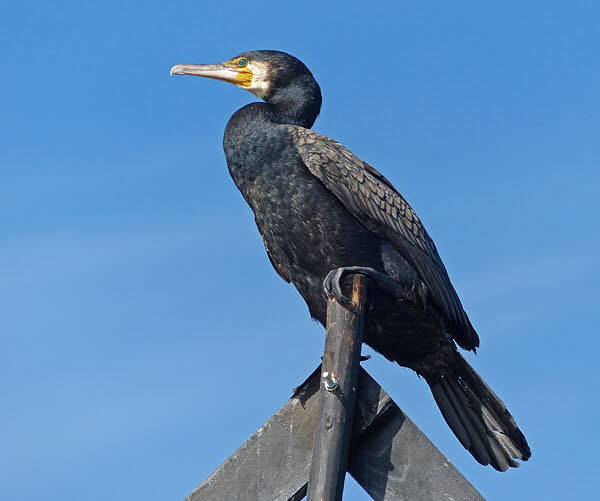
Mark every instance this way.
x=333 y=286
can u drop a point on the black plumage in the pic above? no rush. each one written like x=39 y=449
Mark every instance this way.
x=319 y=208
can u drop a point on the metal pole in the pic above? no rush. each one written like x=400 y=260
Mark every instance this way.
x=337 y=395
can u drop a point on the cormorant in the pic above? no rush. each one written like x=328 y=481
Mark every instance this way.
x=323 y=212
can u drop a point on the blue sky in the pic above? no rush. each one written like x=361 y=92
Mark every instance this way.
x=142 y=324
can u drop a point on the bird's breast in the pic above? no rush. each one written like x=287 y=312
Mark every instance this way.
x=306 y=227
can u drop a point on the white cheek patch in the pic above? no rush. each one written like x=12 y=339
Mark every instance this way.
x=260 y=80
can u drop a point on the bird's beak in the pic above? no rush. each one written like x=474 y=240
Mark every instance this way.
x=219 y=71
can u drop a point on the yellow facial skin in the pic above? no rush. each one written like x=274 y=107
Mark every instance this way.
x=243 y=73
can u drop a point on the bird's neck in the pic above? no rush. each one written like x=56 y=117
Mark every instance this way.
x=296 y=104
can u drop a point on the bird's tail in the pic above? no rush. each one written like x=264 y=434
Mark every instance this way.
x=478 y=417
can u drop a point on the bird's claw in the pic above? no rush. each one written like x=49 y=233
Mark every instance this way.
x=333 y=282
x=333 y=287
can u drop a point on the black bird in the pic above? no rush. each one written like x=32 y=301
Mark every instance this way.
x=323 y=212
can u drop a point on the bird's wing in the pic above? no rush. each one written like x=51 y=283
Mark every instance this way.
x=372 y=199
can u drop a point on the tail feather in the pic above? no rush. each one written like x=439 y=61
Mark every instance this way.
x=472 y=427
x=478 y=418
x=450 y=415
x=481 y=437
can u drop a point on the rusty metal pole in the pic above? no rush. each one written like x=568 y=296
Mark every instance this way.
x=339 y=377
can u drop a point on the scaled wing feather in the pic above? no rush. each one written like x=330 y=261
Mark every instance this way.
x=372 y=199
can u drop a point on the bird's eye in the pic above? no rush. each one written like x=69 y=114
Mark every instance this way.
x=242 y=62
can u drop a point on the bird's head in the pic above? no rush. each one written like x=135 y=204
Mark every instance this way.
x=265 y=73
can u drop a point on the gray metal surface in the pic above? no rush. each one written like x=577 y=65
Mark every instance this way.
x=394 y=460
x=390 y=456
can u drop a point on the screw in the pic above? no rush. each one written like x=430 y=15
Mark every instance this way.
x=331 y=383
